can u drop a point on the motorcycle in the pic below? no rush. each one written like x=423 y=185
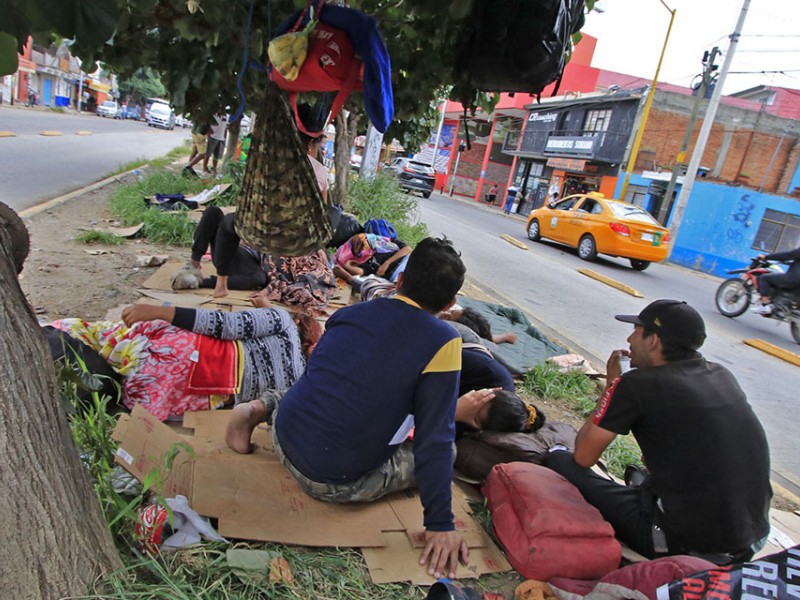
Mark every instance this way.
x=735 y=295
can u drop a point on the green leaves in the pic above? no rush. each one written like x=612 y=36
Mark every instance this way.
x=92 y=22
x=8 y=54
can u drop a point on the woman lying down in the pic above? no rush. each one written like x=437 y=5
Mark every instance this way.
x=174 y=360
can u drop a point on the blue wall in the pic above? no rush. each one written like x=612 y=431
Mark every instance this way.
x=720 y=224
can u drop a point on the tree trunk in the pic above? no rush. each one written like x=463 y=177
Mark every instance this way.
x=346 y=129
x=233 y=140
x=55 y=541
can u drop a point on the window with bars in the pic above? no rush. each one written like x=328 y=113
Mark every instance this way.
x=597 y=120
x=778 y=232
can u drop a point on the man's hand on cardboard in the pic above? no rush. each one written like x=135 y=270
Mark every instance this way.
x=442 y=552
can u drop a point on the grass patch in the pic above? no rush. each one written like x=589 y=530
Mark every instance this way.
x=381 y=198
x=581 y=393
x=128 y=205
x=93 y=236
x=546 y=381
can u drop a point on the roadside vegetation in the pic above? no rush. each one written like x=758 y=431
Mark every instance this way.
x=580 y=393
x=95 y=236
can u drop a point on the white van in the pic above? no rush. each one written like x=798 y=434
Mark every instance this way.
x=161 y=115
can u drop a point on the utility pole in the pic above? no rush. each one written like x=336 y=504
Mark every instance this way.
x=646 y=110
x=709 y=67
x=705 y=130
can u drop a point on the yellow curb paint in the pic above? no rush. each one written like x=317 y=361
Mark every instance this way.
x=513 y=241
x=50 y=133
x=7 y=134
x=83 y=133
x=774 y=350
x=608 y=281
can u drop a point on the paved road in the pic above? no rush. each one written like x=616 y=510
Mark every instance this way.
x=544 y=282
x=36 y=168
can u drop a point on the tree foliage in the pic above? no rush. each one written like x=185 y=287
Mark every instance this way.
x=144 y=83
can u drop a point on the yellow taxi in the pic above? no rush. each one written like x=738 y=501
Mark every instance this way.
x=596 y=225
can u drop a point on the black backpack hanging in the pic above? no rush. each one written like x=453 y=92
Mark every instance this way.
x=516 y=45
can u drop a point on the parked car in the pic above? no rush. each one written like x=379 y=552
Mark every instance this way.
x=182 y=121
x=132 y=112
x=109 y=108
x=161 y=115
x=412 y=175
x=596 y=225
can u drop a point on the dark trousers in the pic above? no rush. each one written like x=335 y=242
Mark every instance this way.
x=630 y=510
x=771 y=283
x=241 y=265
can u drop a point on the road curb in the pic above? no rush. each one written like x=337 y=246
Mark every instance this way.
x=611 y=282
x=774 y=350
x=48 y=204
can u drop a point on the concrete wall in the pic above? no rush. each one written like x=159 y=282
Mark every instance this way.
x=720 y=224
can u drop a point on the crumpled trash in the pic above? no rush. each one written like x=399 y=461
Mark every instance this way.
x=189 y=527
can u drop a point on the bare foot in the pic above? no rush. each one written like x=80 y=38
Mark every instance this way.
x=221 y=287
x=244 y=419
x=509 y=337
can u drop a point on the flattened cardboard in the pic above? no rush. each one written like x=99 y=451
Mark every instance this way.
x=173 y=298
x=398 y=560
x=162 y=280
x=144 y=441
x=254 y=497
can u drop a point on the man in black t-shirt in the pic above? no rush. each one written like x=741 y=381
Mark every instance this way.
x=707 y=492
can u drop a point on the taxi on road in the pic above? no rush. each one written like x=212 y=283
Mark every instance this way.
x=596 y=225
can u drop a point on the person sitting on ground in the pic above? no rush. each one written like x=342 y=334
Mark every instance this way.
x=306 y=282
x=381 y=369
x=175 y=360
x=708 y=490
x=370 y=254
x=770 y=283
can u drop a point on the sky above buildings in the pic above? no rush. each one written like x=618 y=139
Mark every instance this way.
x=631 y=35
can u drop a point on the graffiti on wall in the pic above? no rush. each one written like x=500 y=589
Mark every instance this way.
x=741 y=218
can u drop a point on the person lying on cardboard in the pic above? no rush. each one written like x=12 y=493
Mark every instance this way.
x=381 y=369
x=174 y=360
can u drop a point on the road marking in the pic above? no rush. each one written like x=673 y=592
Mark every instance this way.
x=83 y=132
x=774 y=350
x=7 y=134
x=513 y=241
x=50 y=133
x=608 y=281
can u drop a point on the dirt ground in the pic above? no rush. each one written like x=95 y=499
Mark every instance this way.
x=66 y=278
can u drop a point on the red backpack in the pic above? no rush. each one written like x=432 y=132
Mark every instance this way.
x=331 y=64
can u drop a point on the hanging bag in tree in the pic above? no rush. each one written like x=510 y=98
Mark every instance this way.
x=345 y=53
x=516 y=45
x=281 y=210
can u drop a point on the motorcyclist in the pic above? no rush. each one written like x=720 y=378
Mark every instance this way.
x=771 y=283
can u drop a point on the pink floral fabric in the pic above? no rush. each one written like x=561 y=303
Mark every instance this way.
x=155 y=358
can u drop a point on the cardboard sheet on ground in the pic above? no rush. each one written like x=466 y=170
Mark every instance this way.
x=532 y=346
x=162 y=280
x=254 y=497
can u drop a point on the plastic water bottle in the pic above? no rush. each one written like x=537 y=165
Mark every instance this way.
x=624 y=364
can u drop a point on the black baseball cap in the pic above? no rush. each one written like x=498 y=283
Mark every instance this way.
x=673 y=320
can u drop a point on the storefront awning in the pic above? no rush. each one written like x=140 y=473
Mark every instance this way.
x=99 y=87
